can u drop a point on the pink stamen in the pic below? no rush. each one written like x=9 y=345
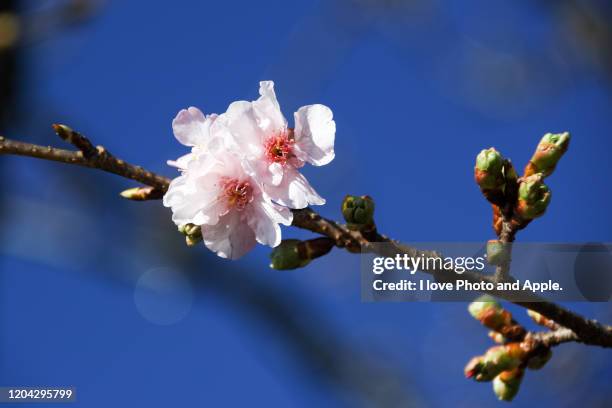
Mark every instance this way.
x=237 y=193
x=279 y=148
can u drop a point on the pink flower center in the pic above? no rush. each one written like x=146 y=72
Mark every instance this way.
x=279 y=148
x=237 y=193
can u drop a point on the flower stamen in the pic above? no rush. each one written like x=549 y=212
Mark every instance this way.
x=279 y=148
x=238 y=194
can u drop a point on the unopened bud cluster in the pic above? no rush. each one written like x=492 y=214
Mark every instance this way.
x=517 y=201
x=505 y=363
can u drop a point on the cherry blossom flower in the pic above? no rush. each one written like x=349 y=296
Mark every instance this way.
x=218 y=193
x=276 y=153
x=242 y=173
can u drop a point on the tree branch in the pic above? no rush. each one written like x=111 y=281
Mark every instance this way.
x=102 y=159
x=575 y=327
x=552 y=338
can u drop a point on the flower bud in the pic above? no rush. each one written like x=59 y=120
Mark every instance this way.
x=539 y=360
x=293 y=253
x=358 y=211
x=550 y=149
x=142 y=193
x=498 y=253
x=473 y=367
x=488 y=171
x=507 y=384
x=192 y=232
x=496 y=359
x=287 y=256
x=489 y=312
x=534 y=197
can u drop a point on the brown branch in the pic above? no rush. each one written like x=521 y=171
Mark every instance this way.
x=575 y=327
x=552 y=338
x=101 y=160
x=78 y=140
x=502 y=271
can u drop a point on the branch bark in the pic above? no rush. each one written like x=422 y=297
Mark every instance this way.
x=575 y=327
x=102 y=159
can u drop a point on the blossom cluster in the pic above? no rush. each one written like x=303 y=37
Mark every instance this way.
x=242 y=176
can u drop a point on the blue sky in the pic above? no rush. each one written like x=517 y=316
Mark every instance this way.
x=417 y=90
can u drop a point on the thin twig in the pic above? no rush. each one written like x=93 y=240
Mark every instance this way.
x=552 y=338
x=506 y=237
x=102 y=160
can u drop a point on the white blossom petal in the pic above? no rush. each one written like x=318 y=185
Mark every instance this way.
x=294 y=191
x=182 y=162
x=230 y=238
x=191 y=127
x=242 y=128
x=315 y=131
x=267 y=110
x=265 y=217
x=277 y=171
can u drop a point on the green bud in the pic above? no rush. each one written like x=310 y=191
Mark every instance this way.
x=488 y=173
x=482 y=305
x=192 y=232
x=496 y=359
x=193 y=240
x=507 y=384
x=489 y=313
x=287 y=256
x=534 y=197
x=190 y=229
x=498 y=252
x=548 y=153
x=473 y=367
x=358 y=211
x=538 y=361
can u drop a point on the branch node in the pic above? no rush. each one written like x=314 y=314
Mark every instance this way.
x=76 y=139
